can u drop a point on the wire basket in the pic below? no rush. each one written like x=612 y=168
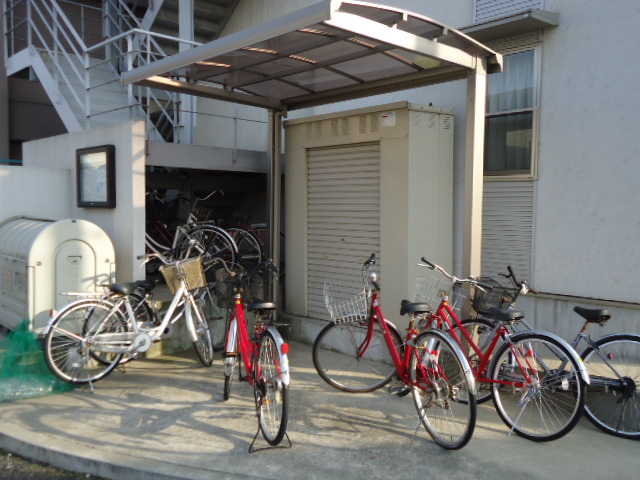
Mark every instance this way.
x=190 y=270
x=202 y=213
x=226 y=281
x=484 y=300
x=433 y=286
x=346 y=303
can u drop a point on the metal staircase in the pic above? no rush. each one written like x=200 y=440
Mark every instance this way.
x=77 y=51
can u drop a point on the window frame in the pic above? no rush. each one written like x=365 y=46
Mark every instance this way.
x=532 y=172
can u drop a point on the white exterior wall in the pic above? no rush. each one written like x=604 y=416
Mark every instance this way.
x=123 y=224
x=586 y=220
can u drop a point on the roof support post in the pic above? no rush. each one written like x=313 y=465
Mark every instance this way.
x=473 y=170
x=187 y=102
x=274 y=193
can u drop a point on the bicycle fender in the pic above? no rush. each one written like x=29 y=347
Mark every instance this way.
x=190 y=323
x=468 y=372
x=583 y=370
x=284 y=358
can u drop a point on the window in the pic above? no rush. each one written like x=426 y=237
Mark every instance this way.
x=509 y=127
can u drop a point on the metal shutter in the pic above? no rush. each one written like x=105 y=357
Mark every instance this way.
x=343 y=215
x=487 y=10
x=507 y=228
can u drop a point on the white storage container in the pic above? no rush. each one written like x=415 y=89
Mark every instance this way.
x=41 y=259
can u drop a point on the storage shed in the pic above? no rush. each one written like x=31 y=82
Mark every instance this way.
x=42 y=259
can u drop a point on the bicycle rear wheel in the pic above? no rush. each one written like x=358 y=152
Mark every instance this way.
x=549 y=405
x=72 y=346
x=216 y=242
x=344 y=359
x=249 y=247
x=440 y=376
x=272 y=394
x=613 y=404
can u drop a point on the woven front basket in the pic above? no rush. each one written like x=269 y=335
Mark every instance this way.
x=191 y=270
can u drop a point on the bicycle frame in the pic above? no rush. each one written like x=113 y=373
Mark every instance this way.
x=238 y=336
x=402 y=364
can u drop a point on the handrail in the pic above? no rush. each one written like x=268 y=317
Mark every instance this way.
x=45 y=25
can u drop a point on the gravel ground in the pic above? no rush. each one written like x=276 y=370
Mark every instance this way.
x=13 y=467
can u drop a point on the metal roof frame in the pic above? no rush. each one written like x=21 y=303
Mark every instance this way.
x=332 y=51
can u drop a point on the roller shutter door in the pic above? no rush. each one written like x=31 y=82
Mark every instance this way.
x=343 y=215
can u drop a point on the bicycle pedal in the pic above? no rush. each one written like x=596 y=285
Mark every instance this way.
x=400 y=390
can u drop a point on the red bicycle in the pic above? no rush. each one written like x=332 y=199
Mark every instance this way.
x=361 y=351
x=536 y=379
x=264 y=353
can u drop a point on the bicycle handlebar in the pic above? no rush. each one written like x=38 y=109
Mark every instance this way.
x=455 y=279
x=521 y=287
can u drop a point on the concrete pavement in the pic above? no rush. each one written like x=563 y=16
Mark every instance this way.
x=164 y=418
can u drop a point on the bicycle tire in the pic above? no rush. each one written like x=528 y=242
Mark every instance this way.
x=336 y=361
x=249 y=247
x=215 y=242
x=230 y=359
x=479 y=329
x=550 y=407
x=203 y=344
x=216 y=316
x=68 y=348
x=439 y=382
x=272 y=394
x=610 y=405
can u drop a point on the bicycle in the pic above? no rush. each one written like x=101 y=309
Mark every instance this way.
x=264 y=352
x=87 y=339
x=361 y=351
x=612 y=401
x=215 y=241
x=535 y=378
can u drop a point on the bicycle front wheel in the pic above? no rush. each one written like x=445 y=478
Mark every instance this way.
x=203 y=344
x=351 y=358
x=442 y=391
x=537 y=387
x=272 y=394
x=613 y=399
x=216 y=316
x=77 y=347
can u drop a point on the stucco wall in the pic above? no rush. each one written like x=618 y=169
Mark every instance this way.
x=125 y=223
x=586 y=218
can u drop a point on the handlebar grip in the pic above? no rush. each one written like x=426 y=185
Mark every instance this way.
x=431 y=264
x=485 y=286
x=513 y=275
x=371 y=260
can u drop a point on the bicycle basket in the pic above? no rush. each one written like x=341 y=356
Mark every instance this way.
x=433 y=286
x=345 y=302
x=191 y=270
x=483 y=300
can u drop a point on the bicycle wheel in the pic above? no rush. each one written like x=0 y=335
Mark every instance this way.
x=345 y=360
x=216 y=316
x=217 y=243
x=202 y=345
x=249 y=247
x=272 y=394
x=480 y=331
x=613 y=404
x=547 y=406
x=437 y=370
x=230 y=358
x=72 y=345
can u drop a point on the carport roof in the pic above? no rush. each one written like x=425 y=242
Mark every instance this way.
x=328 y=52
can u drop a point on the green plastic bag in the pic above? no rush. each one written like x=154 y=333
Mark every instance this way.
x=24 y=373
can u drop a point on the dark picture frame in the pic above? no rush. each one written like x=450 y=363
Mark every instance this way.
x=96 y=177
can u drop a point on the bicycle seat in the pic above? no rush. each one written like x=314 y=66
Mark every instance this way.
x=506 y=316
x=593 y=315
x=123 y=288
x=258 y=304
x=410 y=307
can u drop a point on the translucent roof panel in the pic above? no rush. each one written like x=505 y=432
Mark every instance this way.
x=331 y=51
